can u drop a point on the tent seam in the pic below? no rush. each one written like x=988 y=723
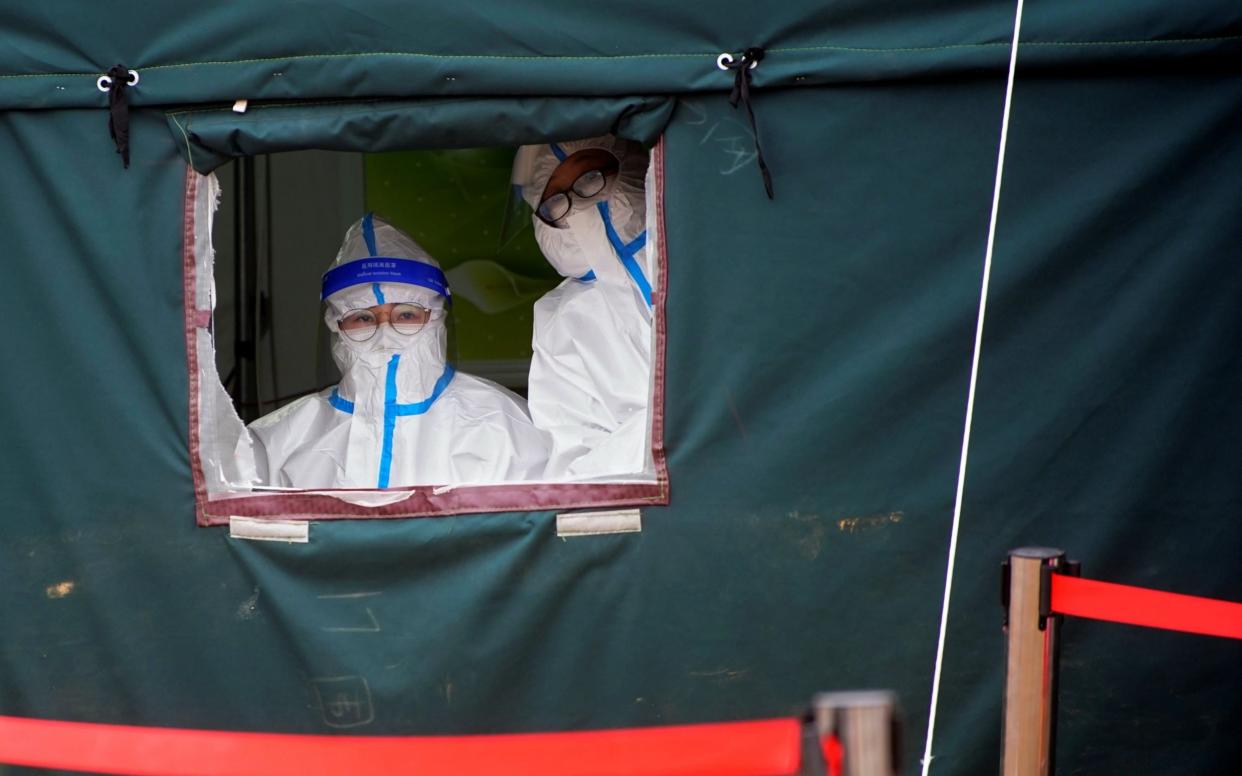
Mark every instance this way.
x=1004 y=44
x=188 y=149
x=568 y=58
x=320 y=103
x=233 y=116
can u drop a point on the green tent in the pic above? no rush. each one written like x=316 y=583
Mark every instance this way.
x=816 y=371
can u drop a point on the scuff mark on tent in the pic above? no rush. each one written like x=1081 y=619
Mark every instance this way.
x=811 y=541
x=60 y=589
x=248 y=608
x=853 y=525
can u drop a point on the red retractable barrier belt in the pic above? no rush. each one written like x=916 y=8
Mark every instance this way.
x=767 y=747
x=1148 y=608
x=834 y=755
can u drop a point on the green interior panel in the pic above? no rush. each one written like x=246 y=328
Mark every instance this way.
x=456 y=204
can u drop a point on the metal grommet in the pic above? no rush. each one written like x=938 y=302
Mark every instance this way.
x=104 y=83
x=724 y=60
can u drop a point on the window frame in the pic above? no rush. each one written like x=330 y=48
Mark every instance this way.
x=423 y=500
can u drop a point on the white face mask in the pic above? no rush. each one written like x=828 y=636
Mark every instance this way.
x=563 y=248
x=364 y=365
x=385 y=340
x=428 y=342
x=583 y=246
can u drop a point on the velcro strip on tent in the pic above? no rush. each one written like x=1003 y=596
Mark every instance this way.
x=269 y=530
x=599 y=523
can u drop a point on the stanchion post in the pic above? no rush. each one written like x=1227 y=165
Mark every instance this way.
x=1032 y=633
x=866 y=725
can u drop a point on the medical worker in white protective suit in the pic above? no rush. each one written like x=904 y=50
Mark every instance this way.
x=590 y=375
x=401 y=415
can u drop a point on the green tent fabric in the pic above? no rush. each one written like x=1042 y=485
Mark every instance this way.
x=819 y=352
x=210 y=137
x=281 y=49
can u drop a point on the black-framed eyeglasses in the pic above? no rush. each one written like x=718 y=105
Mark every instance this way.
x=557 y=206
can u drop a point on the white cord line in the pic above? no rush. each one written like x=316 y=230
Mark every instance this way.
x=970 y=396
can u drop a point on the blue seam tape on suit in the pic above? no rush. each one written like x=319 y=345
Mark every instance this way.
x=393 y=410
x=626 y=251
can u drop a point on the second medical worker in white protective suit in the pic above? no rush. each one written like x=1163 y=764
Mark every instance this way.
x=590 y=374
x=401 y=414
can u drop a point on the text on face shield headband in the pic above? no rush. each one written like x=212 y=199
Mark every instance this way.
x=381 y=269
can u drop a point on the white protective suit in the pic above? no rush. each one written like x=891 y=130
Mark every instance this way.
x=401 y=415
x=590 y=375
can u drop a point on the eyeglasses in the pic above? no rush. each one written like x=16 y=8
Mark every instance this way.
x=557 y=206
x=406 y=319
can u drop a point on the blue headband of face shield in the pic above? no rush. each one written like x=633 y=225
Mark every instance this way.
x=382 y=269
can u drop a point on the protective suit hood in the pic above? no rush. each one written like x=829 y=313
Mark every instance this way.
x=379 y=264
x=599 y=229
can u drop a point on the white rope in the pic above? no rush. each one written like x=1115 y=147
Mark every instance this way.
x=970 y=396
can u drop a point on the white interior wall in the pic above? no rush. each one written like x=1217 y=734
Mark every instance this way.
x=314 y=196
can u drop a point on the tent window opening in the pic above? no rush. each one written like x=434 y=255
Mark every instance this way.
x=426 y=332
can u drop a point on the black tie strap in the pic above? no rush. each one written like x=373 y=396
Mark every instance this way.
x=741 y=67
x=115 y=83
